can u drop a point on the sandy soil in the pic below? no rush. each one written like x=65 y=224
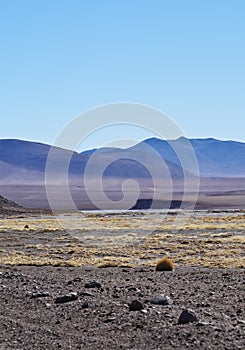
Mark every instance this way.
x=100 y=318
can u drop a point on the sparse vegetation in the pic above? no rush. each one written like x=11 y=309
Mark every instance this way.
x=118 y=240
x=165 y=264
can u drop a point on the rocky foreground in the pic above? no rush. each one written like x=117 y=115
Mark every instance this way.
x=121 y=308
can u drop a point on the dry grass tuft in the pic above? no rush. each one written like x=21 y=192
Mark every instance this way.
x=165 y=264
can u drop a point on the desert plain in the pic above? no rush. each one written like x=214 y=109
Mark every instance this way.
x=100 y=262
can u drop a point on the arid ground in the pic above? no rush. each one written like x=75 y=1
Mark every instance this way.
x=43 y=257
x=132 y=238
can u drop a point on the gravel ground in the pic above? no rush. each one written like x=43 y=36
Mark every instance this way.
x=97 y=315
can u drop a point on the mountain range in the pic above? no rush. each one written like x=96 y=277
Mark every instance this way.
x=25 y=161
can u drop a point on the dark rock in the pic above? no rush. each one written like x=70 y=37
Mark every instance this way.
x=115 y=296
x=161 y=300
x=26 y=226
x=40 y=295
x=87 y=294
x=241 y=321
x=66 y=298
x=139 y=326
x=135 y=306
x=85 y=305
x=77 y=279
x=187 y=316
x=93 y=284
x=12 y=275
x=134 y=289
x=110 y=319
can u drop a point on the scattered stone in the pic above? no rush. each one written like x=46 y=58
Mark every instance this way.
x=134 y=289
x=39 y=295
x=241 y=321
x=139 y=326
x=85 y=305
x=87 y=294
x=187 y=316
x=93 y=284
x=135 y=306
x=11 y=275
x=161 y=300
x=66 y=298
x=110 y=319
x=77 y=279
x=165 y=264
x=115 y=296
x=202 y=324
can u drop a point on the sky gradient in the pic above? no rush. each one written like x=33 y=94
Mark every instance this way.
x=61 y=58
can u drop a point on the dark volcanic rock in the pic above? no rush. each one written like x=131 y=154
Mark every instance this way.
x=135 y=306
x=93 y=284
x=87 y=294
x=66 y=298
x=85 y=305
x=134 y=289
x=187 y=316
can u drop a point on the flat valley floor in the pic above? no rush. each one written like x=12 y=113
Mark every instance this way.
x=43 y=257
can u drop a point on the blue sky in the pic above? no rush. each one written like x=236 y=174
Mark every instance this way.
x=60 y=58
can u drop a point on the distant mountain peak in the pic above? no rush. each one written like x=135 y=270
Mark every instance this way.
x=22 y=160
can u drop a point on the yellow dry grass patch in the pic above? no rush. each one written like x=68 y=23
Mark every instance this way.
x=205 y=240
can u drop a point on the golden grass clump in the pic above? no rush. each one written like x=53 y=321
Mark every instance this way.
x=165 y=264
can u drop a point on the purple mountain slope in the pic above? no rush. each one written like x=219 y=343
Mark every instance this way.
x=24 y=162
x=215 y=158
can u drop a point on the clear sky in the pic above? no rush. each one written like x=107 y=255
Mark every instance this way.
x=59 y=58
